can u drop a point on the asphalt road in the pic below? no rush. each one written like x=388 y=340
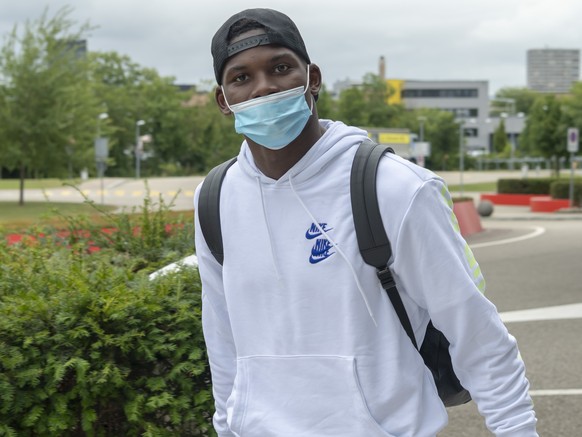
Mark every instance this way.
x=538 y=266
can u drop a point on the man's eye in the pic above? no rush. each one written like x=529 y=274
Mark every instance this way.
x=281 y=68
x=240 y=78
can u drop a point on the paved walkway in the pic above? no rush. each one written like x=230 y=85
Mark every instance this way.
x=129 y=193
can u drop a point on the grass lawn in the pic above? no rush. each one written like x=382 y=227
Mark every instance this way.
x=485 y=187
x=14 y=216
x=14 y=184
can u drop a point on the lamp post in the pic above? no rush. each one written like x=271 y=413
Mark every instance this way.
x=506 y=117
x=421 y=119
x=138 y=147
x=461 y=156
x=100 y=117
x=101 y=151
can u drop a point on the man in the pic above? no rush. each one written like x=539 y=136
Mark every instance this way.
x=301 y=337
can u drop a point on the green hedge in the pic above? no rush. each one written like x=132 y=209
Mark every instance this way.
x=89 y=346
x=561 y=190
x=525 y=186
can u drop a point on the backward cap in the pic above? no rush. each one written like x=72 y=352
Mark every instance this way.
x=279 y=29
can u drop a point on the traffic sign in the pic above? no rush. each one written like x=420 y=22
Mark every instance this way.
x=573 y=139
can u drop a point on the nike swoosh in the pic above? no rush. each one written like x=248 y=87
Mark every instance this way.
x=314 y=232
x=314 y=259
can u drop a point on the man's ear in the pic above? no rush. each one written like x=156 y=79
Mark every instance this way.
x=314 y=80
x=221 y=101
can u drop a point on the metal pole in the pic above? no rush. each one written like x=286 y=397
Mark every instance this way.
x=461 y=156
x=102 y=171
x=571 y=179
x=421 y=120
x=137 y=150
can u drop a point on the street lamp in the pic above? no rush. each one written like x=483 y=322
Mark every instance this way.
x=100 y=117
x=462 y=151
x=461 y=155
x=138 y=147
x=421 y=119
x=101 y=151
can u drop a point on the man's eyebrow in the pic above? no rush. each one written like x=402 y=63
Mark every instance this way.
x=275 y=58
x=280 y=56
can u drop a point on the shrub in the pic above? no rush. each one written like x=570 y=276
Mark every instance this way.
x=89 y=346
x=561 y=190
x=524 y=186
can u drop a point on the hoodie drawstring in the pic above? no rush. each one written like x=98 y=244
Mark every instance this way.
x=333 y=243
x=270 y=235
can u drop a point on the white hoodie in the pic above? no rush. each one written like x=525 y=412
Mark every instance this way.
x=301 y=337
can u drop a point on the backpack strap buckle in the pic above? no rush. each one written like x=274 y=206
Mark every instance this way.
x=386 y=278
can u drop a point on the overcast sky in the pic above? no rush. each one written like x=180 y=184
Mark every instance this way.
x=420 y=39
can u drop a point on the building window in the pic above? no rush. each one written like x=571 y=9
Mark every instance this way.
x=441 y=93
x=471 y=132
x=463 y=112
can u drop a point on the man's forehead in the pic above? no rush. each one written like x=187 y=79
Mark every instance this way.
x=271 y=53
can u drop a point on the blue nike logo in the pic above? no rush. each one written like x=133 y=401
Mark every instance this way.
x=314 y=232
x=320 y=251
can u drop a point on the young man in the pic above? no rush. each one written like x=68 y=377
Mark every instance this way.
x=302 y=339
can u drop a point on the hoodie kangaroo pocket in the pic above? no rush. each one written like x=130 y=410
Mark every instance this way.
x=279 y=396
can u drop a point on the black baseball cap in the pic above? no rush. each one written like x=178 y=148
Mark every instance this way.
x=279 y=30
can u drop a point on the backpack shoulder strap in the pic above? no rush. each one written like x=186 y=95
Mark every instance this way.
x=209 y=208
x=372 y=239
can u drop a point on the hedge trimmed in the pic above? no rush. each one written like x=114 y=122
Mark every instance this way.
x=525 y=186
x=89 y=346
x=561 y=190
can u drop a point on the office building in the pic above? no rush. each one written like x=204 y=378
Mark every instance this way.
x=552 y=70
x=467 y=100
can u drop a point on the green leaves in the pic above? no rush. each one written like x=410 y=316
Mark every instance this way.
x=89 y=344
x=46 y=98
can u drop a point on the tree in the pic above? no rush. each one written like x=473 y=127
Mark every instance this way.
x=366 y=104
x=47 y=109
x=513 y=100
x=326 y=107
x=545 y=130
x=500 y=138
x=128 y=93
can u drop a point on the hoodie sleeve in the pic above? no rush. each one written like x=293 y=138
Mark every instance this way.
x=216 y=326
x=439 y=272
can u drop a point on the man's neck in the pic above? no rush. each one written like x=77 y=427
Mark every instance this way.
x=275 y=163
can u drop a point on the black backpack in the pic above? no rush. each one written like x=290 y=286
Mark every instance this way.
x=374 y=247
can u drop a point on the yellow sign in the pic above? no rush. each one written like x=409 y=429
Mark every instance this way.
x=395 y=91
x=393 y=138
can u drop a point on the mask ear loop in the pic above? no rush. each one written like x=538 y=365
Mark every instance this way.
x=226 y=101
x=306 y=89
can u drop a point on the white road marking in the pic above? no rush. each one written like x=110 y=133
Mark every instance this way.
x=559 y=392
x=558 y=312
x=536 y=232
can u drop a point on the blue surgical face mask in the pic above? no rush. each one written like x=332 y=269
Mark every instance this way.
x=275 y=120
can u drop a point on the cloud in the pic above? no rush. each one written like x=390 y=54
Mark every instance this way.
x=420 y=39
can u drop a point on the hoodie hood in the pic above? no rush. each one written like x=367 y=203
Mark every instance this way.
x=337 y=139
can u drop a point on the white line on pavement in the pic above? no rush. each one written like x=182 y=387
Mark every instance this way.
x=558 y=312
x=559 y=392
x=537 y=231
